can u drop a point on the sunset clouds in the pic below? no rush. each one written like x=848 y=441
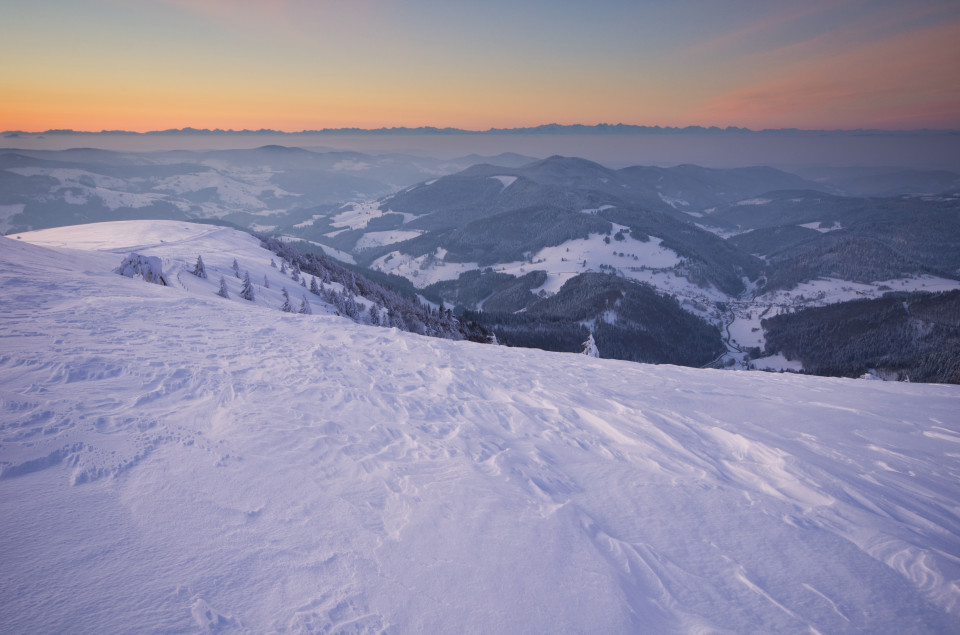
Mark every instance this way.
x=298 y=64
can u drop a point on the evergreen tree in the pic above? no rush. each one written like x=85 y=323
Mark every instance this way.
x=287 y=307
x=266 y=283
x=246 y=291
x=374 y=315
x=303 y=282
x=590 y=347
x=305 y=306
x=273 y=263
x=198 y=269
x=283 y=267
x=295 y=272
x=314 y=289
x=223 y=293
x=351 y=309
x=236 y=268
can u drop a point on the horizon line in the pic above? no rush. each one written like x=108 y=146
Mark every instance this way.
x=551 y=128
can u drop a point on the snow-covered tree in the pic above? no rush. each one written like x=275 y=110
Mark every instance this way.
x=314 y=288
x=295 y=272
x=350 y=306
x=246 y=291
x=287 y=307
x=236 y=268
x=198 y=269
x=266 y=283
x=590 y=347
x=305 y=306
x=223 y=293
x=303 y=282
x=273 y=263
x=374 y=315
x=283 y=267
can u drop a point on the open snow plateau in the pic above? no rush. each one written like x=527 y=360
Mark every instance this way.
x=171 y=461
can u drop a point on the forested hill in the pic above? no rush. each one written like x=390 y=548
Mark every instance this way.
x=912 y=337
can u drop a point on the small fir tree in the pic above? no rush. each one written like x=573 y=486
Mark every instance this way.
x=236 y=268
x=287 y=307
x=223 y=293
x=266 y=283
x=374 y=315
x=198 y=269
x=246 y=291
x=283 y=267
x=305 y=306
x=590 y=347
x=314 y=289
x=273 y=263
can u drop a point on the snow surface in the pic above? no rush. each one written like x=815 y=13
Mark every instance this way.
x=675 y=203
x=174 y=462
x=507 y=181
x=79 y=193
x=376 y=239
x=832 y=290
x=358 y=215
x=776 y=362
x=644 y=261
x=230 y=191
x=422 y=271
x=823 y=230
x=332 y=252
x=177 y=244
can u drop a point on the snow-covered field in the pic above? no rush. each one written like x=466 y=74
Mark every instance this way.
x=174 y=462
x=376 y=239
x=831 y=290
x=357 y=215
x=422 y=271
x=647 y=261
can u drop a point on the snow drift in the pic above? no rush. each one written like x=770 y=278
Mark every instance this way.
x=173 y=461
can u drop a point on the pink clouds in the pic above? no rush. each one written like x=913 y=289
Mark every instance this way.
x=904 y=80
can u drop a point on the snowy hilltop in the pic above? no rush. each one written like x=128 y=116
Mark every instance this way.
x=175 y=461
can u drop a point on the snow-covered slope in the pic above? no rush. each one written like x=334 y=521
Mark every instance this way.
x=174 y=462
x=178 y=244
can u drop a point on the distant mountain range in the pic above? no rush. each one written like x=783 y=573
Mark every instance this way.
x=552 y=129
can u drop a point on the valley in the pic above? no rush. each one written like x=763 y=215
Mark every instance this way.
x=490 y=237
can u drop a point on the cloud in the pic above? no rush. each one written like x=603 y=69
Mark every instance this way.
x=908 y=78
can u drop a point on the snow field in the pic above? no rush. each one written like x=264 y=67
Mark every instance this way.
x=376 y=239
x=180 y=463
x=422 y=271
x=178 y=244
x=245 y=193
x=506 y=181
x=643 y=261
x=358 y=215
x=831 y=290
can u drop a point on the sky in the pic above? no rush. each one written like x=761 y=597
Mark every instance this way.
x=310 y=64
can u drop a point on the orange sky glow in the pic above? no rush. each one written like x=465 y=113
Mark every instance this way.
x=296 y=65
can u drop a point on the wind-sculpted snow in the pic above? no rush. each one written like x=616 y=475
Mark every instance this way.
x=174 y=462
